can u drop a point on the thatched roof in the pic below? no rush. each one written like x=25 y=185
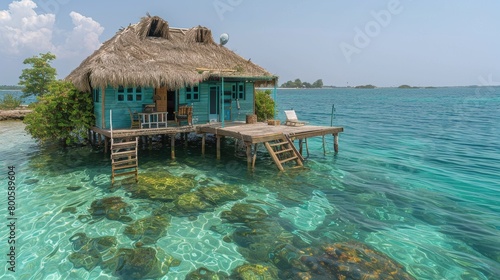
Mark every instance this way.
x=150 y=53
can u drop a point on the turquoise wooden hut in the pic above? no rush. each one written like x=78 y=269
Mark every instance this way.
x=150 y=64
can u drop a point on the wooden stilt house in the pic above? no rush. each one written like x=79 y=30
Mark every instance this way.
x=152 y=66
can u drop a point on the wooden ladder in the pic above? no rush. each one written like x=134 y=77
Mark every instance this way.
x=124 y=158
x=282 y=150
x=124 y=161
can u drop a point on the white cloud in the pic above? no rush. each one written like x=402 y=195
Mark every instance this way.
x=23 y=32
x=21 y=28
x=83 y=38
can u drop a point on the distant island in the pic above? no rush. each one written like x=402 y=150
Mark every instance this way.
x=7 y=87
x=365 y=86
x=299 y=84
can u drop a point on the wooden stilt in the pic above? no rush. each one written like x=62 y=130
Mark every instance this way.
x=172 y=146
x=203 y=139
x=249 y=154
x=336 y=142
x=94 y=139
x=307 y=147
x=89 y=136
x=254 y=155
x=324 y=145
x=106 y=148
x=300 y=146
x=218 y=146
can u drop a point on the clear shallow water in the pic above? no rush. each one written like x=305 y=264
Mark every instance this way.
x=417 y=178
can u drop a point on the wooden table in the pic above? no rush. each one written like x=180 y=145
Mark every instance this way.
x=153 y=119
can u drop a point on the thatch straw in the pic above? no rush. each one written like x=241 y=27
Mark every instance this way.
x=150 y=53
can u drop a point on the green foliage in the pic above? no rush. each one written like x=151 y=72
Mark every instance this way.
x=299 y=84
x=264 y=105
x=36 y=80
x=63 y=114
x=9 y=101
x=366 y=86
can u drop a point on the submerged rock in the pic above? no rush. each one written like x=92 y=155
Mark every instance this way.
x=255 y=272
x=112 y=208
x=73 y=188
x=205 y=274
x=243 y=213
x=161 y=186
x=221 y=194
x=148 y=230
x=205 y=199
x=89 y=252
x=139 y=263
x=350 y=260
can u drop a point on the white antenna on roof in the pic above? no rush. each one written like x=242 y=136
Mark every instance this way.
x=224 y=37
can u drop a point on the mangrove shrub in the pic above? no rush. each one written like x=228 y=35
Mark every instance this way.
x=264 y=105
x=63 y=114
x=10 y=101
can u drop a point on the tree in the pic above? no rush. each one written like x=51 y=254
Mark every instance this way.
x=63 y=114
x=36 y=80
x=318 y=84
x=264 y=105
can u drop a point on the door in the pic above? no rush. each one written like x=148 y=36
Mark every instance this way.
x=161 y=99
x=213 y=104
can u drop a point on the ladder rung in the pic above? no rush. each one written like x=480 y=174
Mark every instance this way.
x=124 y=161
x=124 y=173
x=283 y=151
x=114 y=167
x=289 y=159
x=278 y=144
x=123 y=145
x=124 y=154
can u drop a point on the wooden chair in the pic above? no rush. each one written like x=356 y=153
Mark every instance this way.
x=184 y=113
x=135 y=122
x=291 y=118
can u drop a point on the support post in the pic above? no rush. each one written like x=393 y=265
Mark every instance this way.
x=203 y=139
x=300 y=146
x=324 y=145
x=249 y=154
x=254 y=158
x=218 y=146
x=103 y=107
x=336 y=142
x=221 y=112
x=106 y=145
x=275 y=98
x=172 y=146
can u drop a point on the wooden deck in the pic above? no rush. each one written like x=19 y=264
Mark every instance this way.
x=262 y=132
x=250 y=134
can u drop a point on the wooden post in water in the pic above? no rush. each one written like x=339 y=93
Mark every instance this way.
x=172 y=146
x=324 y=145
x=106 y=148
x=336 y=142
x=254 y=155
x=218 y=146
x=203 y=138
x=249 y=154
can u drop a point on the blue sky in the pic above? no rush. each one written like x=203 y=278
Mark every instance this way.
x=382 y=42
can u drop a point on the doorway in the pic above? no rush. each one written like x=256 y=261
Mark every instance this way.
x=213 y=104
x=171 y=99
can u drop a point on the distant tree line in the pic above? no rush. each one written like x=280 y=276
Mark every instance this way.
x=299 y=84
x=7 y=87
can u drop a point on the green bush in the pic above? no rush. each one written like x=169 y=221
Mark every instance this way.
x=63 y=114
x=9 y=101
x=264 y=105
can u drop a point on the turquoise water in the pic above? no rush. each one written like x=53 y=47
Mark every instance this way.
x=17 y=93
x=417 y=178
